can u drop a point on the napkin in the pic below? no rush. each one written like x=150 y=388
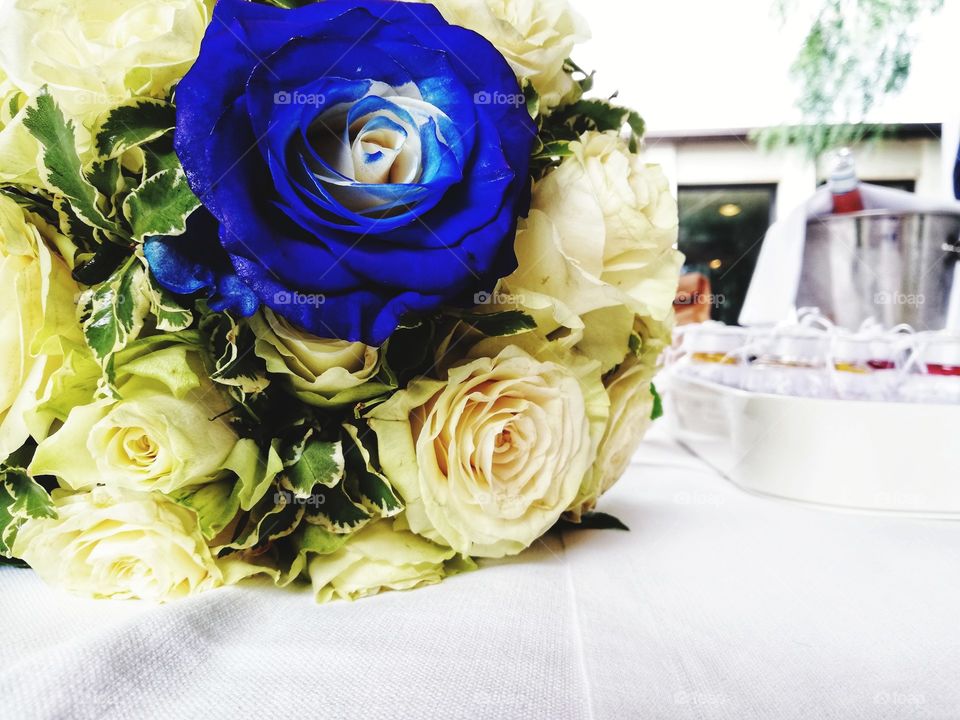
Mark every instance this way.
x=771 y=297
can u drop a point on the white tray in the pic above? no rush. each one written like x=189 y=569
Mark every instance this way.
x=867 y=456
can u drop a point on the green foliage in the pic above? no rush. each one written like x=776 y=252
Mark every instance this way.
x=567 y=123
x=21 y=498
x=318 y=462
x=133 y=124
x=61 y=164
x=852 y=56
x=112 y=312
x=171 y=316
x=499 y=324
x=820 y=138
x=235 y=364
x=657 y=411
x=160 y=206
x=132 y=190
x=595 y=521
x=362 y=465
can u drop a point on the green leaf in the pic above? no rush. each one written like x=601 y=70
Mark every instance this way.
x=334 y=510
x=309 y=539
x=320 y=463
x=270 y=519
x=71 y=225
x=133 y=123
x=106 y=177
x=408 y=352
x=113 y=312
x=101 y=265
x=657 y=411
x=21 y=498
x=532 y=98
x=376 y=493
x=571 y=121
x=636 y=123
x=497 y=324
x=555 y=148
x=235 y=363
x=158 y=157
x=170 y=314
x=586 y=80
x=597 y=521
x=215 y=504
x=160 y=206
x=61 y=163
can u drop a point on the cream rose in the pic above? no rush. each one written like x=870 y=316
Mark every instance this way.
x=91 y=55
x=487 y=460
x=631 y=407
x=605 y=224
x=94 y=54
x=38 y=320
x=114 y=543
x=535 y=36
x=165 y=431
x=18 y=148
x=380 y=557
x=319 y=371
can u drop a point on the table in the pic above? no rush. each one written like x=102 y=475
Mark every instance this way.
x=717 y=604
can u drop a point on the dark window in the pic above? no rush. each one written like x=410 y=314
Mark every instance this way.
x=721 y=231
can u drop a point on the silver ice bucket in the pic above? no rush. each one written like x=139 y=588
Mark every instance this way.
x=893 y=267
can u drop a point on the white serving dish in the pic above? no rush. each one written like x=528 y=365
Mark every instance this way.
x=854 y=455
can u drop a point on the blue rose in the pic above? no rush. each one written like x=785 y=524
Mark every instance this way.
x=364 y=161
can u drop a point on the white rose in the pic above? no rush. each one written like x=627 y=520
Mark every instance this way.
x=18 y=148
x=489 y=459
x=605 y=224
x=94 y=54
x=38 y=320
x=165 y=431
x=535 y=37
x=119 y=544
x=631 y=407
x=319 y=371
x=91 y=55
x=381 y=557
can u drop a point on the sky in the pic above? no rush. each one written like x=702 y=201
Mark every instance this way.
x=702 y=64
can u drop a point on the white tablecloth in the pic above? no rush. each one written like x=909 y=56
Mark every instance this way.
x=717 y=604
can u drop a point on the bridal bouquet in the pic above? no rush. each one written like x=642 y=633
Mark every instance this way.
x=350 y=291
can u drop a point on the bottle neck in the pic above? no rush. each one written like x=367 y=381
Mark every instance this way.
x=843 y=184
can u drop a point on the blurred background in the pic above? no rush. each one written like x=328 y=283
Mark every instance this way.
x=745 y=103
